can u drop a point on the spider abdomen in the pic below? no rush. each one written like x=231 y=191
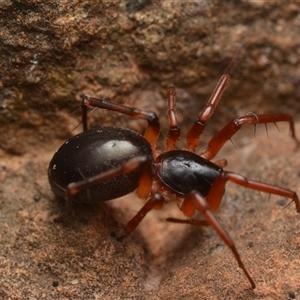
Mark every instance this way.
x=93 y=152
x=183 y=171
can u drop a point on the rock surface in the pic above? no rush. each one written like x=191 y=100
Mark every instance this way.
x=129 y=52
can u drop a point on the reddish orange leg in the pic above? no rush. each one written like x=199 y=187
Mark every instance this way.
x=155 y=201
x=189 y=221
x=221 y=163
x=196 y=130
x=217 y=142
x=174 y=130
x=201 y=205
x=153 y=129
x=260 y=186
x=76 y=187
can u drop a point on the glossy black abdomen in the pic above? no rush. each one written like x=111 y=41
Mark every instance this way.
x=93 y=152
x=184 y=171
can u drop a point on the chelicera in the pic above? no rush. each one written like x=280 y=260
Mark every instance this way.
x=104 y=163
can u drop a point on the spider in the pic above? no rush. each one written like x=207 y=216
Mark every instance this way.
x=105 y=163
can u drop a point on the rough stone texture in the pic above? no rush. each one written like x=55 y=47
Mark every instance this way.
x=129 y=52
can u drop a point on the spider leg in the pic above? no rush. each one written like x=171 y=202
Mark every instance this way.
x=153 y=129
x=76 y=187
x=201 y=205
x=260 y=186
x=195 y=131
x=221 y=163
x=217 y=142
x=189 y=221
x=174 y=130
x=155 y=201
